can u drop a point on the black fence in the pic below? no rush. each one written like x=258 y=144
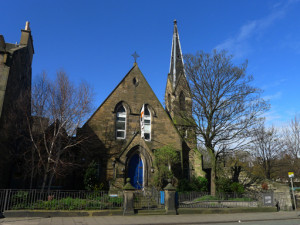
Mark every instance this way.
x=147 y=199
x=58 y=200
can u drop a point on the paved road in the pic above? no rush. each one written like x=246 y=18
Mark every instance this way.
x=270 y=222
x=276 y=218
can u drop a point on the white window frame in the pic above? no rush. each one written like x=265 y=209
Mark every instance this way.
x=147 y=117
x=121 y=115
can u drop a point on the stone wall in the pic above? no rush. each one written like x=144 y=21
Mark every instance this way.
x=281 y=194
x=15 y=91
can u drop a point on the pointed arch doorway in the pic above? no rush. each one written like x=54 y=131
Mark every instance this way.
x=136 y=171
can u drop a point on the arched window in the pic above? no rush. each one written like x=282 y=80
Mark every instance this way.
x=121 y=122
x=147 y=123
x=181 y=101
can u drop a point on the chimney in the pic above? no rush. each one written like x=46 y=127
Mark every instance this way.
x=26 y=39
x=27 y=26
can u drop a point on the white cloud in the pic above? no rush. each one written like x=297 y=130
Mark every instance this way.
x=239 y=45
x=292 y=44
x=277 y=95
x=272 y=117
x=273 y=84
x=292 y=113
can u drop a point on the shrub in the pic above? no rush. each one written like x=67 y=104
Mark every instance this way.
x=237 y=188
x=183 y=185
x=91 y=179
x=264 y=186
x=79 y=204
x=225 y=185
x=165 y=158
x=20 y=196
x=19 y=200
x=199 y=184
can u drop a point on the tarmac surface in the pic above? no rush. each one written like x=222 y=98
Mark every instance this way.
x=236 y=218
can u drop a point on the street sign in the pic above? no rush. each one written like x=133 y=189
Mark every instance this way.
x=268 y=199
x=291 y=174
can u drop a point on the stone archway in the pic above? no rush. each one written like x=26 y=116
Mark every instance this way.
x=136 y=171
x=138 y=166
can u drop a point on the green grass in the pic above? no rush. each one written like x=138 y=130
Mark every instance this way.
x=206 y=198
x=214 y=198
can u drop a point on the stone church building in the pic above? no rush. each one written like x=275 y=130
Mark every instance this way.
x=123 y=133
x=123 y=146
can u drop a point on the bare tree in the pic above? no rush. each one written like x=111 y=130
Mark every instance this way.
x=58 y=109
x=292 y=137
x=238 y=165
x=225 y=105
x=266 y=146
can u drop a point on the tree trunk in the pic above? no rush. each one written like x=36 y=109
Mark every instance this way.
x=50 y=181
x=45 y=176
x=53 y=171
x=213 y=180
x=236 y=170
x=44 y=181
x=213 y=172
x=32 y=169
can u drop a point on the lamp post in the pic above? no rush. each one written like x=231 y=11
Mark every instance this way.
x=291 y=175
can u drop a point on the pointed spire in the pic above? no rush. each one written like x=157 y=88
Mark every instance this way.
x=176 y=63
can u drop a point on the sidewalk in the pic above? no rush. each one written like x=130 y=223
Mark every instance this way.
x=155 y=219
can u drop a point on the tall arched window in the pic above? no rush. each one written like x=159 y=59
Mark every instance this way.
x=121 y=122
x=182 y=101
x=147 y=123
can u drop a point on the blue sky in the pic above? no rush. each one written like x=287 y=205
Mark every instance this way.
x=94 y=41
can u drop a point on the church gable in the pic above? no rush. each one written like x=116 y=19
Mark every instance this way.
x=132 y=93
x=116 y=125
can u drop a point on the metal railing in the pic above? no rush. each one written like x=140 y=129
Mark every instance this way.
x=147 y=199
x=58 y=200
x=221 y=200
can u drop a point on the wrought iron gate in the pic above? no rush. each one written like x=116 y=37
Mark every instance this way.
x=147 y=199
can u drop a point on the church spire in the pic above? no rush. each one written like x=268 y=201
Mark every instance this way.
x=176 y=63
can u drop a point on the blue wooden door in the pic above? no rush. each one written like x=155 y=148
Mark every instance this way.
x=135 y=171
